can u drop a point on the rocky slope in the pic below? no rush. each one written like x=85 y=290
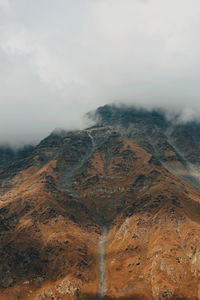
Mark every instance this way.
x=8 y=155
x=110 y=212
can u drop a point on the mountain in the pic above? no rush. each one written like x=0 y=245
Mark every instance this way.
x=8 y=155
x=109 y=212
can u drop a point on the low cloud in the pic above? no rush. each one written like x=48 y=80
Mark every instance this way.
x=62 y=59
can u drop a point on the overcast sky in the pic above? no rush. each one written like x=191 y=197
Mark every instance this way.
x=62 y=58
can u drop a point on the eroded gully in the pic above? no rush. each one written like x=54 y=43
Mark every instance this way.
x=102 y=264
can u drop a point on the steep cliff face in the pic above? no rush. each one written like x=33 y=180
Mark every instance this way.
x=110 y=212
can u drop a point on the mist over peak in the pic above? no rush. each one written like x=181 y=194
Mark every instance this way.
x=127 y=113
x=76 y=56
x=99 y=149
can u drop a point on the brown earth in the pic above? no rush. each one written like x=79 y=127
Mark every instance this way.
x=55 y=202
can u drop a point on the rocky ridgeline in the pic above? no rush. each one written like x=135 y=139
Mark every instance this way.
x=133 y=173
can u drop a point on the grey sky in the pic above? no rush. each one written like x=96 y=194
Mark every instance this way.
x=60 y=59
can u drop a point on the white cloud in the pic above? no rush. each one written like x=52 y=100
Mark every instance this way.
x=61 y=59
x=5 y=5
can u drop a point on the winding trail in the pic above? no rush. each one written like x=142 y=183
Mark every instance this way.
x=102 y=264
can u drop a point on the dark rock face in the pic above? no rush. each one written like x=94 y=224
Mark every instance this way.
x=126 y=115
x=174 y=145
x=8 y=155
x=120 y=174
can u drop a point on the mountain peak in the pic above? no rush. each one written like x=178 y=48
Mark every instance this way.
x=108 y=212
x=124 y=115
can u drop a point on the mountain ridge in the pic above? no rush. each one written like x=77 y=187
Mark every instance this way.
x=132 y=172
